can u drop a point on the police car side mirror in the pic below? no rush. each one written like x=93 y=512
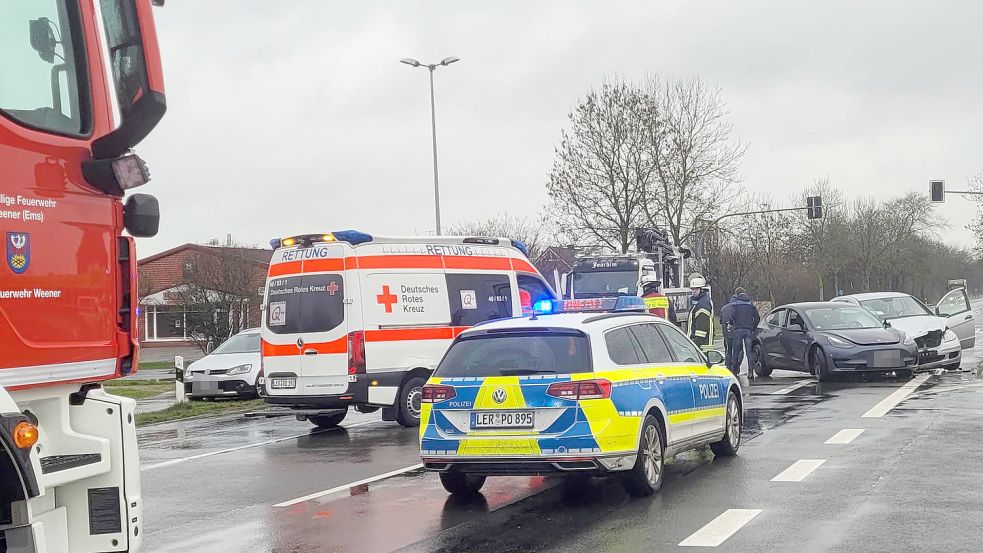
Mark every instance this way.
x=714 y=358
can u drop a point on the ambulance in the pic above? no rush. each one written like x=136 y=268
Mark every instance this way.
x=355 y=320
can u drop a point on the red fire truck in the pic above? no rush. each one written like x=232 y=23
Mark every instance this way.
x=80 y=85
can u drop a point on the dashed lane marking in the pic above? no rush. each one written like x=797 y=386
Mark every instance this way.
x=337 y=489
x=248 y=446
x=799 y=470
x=899 y=395
x=794 y=387
x=719 y=529
x=845 y=436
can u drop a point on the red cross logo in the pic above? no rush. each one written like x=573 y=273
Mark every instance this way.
x=387 y=299
x=332 y=288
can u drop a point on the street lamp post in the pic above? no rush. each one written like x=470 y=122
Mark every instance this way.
x=433 y=126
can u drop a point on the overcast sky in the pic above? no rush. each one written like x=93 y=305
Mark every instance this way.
x=295 y=116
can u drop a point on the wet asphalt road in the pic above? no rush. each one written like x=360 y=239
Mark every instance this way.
x=911 y=481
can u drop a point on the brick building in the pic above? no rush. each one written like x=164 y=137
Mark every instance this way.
x=164 y=320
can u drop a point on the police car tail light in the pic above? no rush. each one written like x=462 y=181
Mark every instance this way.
x=583 y=389
x=435 y=393
x=356 y=352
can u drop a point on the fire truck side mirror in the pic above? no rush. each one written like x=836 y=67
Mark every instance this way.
x=141 y=215
x=135 y=73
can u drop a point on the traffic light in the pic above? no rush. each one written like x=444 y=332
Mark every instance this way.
x=937 y=190
x=814 y=207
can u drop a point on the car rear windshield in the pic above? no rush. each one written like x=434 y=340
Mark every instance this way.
x=306 y=303
x=517 y=354
x=240 y=343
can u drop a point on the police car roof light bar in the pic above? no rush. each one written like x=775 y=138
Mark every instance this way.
x=590 y=305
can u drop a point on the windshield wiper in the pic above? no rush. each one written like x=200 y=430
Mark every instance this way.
x=524 y=372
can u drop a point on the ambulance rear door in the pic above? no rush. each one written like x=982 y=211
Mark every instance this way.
x=307 y=325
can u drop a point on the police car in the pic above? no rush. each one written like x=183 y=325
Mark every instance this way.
x=575 y=391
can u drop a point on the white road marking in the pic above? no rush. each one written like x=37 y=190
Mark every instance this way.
x=337 y=489
x=794 y=387
x=247 y=446
x=892 y=401
x=798 y=471
x=719 y=529
x=845 y=436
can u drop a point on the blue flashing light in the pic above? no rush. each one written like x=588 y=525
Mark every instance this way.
x=353 y=237
x=274 y=243
x=630 y=303
x=543 y=307
x=521 y=247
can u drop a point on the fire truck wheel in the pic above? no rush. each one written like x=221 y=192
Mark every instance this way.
x=409 y=402
x=328 y=421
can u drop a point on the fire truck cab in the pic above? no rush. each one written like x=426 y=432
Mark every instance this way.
x=80 y=84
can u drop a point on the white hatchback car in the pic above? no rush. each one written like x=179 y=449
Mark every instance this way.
x=941 y=335
x=230 y=370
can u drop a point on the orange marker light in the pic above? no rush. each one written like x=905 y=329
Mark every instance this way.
x=288 y=241
x=328 y=237
x=25 y=435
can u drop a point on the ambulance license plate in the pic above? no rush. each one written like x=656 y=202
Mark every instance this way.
x=501 y=419
x=283 y=383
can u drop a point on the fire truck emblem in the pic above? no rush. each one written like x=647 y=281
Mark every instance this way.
x=18 y=251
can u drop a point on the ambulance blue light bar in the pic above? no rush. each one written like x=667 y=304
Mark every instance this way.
x=591 y=305
x=353 y=237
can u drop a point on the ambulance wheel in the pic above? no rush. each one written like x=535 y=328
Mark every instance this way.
x=328 y=421
x=728 y=446
x=410 y=396
x=645 y=478
x=461 y=484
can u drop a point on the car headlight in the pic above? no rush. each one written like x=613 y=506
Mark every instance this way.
x=908 y=340
x=839 y=342
x=240 y=369
x=949 y=336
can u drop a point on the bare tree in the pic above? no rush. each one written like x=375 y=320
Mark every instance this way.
x=882 y=231
x=217 y=293
x=529 y=232
x=602 y=166
x=696 y=156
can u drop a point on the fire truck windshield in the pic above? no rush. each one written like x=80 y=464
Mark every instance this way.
x=39 y=81
x=605 y=284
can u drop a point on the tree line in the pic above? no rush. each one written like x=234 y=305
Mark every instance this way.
x=662 y=153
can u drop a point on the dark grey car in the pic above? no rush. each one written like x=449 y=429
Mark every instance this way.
x=824 y=338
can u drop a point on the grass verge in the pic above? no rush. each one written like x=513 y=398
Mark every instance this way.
x=138 y=389
x=157 y=365
x=197 y=408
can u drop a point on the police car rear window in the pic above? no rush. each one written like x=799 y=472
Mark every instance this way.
x=306 y=303
x=517 y=354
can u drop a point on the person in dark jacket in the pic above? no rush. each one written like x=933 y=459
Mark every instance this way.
x=743 y=319
x=725 y=314
x=701 y=314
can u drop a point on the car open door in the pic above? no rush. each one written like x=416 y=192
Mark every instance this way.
x=795 y=341
x=955 y=306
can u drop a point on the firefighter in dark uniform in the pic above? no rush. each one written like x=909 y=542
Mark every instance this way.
x=701 y=314
x=658 y=303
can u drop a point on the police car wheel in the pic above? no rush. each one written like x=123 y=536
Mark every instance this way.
x=758 y=361
x=409 y=402
x=645 y=478
x=732 y=429
x=327 y=421
x=461 y=484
